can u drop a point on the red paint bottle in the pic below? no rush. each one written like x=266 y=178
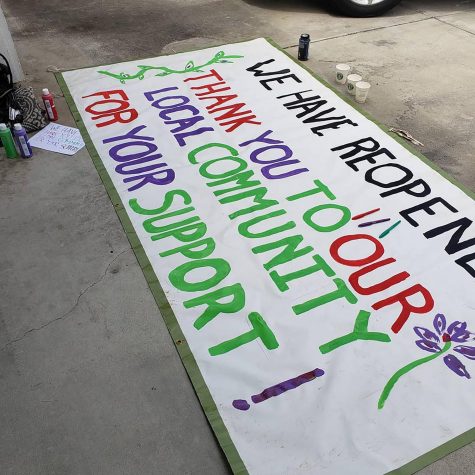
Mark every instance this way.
x=48 y=101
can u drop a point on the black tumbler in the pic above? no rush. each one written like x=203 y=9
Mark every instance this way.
x=304 y=44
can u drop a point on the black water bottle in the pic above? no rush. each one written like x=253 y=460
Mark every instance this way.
x=304 y=44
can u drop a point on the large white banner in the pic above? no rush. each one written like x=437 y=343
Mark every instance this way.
x=321 y=273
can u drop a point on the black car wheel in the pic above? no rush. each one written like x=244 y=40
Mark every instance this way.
x=363 y=8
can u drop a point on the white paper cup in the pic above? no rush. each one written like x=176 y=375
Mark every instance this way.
x=351 y=81
x=342 y=71
x=361 y=91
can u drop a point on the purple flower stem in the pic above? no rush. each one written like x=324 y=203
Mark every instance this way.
x=395 y=377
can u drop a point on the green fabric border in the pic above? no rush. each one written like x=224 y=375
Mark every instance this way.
x=435 y=454
x=467 y=437
x=201 y=389
x=188 y=360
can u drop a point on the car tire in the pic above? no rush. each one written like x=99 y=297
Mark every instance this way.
x=353 y=8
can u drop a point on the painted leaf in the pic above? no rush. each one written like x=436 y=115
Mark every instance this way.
x=190 y=65
x=428 y=345
x=425 y=334
x=456 y=366
x=467 y=351
x=440 y=323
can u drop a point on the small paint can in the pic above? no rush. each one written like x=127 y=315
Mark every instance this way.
x=304 y=45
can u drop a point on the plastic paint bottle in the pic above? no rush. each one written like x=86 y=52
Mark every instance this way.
x=48 y=101
x=7 y=141
x=21 y=139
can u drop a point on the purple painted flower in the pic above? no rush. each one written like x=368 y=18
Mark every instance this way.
x=436 y=342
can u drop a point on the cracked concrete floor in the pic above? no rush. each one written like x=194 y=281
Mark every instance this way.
x=91 y=382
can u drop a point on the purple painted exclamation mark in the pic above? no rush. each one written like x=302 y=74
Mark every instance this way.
x=278 y=389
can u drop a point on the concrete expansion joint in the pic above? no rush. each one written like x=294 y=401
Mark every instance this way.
x=368 y=30
x=438 y=18
x=70 y=311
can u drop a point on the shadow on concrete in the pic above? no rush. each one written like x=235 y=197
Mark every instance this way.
x=406 y=7
x=294 y=5
x=328 y=6
x=440 y=6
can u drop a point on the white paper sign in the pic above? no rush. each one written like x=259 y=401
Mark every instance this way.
x=322 y=275
x=58 y=138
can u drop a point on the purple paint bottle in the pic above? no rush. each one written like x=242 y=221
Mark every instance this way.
x=21 y=139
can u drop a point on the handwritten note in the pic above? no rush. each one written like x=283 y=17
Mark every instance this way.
x=58 y=138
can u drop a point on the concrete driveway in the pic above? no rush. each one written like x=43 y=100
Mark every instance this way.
x=91 y=382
